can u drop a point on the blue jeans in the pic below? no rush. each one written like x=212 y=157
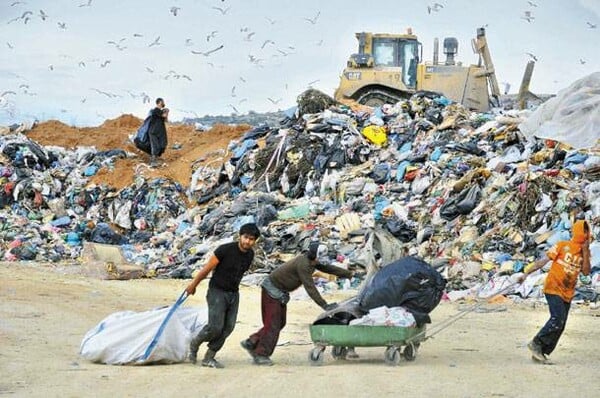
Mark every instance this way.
x=548 y=336
x=222 y=314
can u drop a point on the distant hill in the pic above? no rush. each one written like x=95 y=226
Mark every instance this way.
x=252 y=118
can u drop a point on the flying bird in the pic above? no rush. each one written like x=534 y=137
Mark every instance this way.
x=105 y=63
x=320 y=43
x=249 y=36
x=435 y=7
x=186 y=77
x=271 y=21
x=51 y=67
x=223 y=11
x=188 y=42
x=313 y=82
x=83 y=100
x=267 y=42
x=137 y=35
x=88 y=4
x=81 y=64
x=156 y=42
x=43 y=15
x=528 y=17
x=62 y=25
x=8 y=92
x=274 y=102
x=207 y=53
x=242 y=79
x=149 y=70
x=211 y=35
x=253 y=59
x=14 y=3
x=234 y=108
x=582 y=61
x=174 y=10
x=532 y=4
x=532 y=56
x=314 y=19
x=592 y=25
x=9 y=45
x=242 y=100
x=25 y=14
x=233 y=91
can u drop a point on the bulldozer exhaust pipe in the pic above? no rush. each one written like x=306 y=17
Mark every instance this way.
x=436 y=51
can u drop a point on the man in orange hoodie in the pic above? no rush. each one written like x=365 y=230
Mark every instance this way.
x=569 y=258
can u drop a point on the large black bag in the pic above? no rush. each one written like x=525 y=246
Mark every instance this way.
x=409 y=282
x=142 y=140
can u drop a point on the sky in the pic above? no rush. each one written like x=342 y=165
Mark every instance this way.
x=233 y=56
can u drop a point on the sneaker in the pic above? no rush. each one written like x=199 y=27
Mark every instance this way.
x=536 y=352
x=262 y=361
x=248 y=346
x=212 y=363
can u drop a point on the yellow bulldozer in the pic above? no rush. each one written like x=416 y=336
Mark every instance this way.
x=389 y=68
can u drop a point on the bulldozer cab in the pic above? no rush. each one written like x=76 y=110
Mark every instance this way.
x=397 y=52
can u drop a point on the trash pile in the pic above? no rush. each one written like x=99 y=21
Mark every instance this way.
x=467 y=192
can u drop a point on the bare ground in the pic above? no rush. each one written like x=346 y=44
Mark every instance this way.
x=45 y=312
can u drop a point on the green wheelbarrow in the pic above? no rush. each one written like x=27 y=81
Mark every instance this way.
x=400 y=342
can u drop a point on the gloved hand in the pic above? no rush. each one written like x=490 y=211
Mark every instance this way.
x=330 y=306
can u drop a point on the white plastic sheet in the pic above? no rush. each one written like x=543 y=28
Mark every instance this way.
x=572 y=117
x=123 y=338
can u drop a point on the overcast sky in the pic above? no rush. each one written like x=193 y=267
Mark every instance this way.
x=62 y=66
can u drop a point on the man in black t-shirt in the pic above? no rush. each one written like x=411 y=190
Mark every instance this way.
x=228 y=264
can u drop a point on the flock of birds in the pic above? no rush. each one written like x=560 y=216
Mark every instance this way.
x=204 y=50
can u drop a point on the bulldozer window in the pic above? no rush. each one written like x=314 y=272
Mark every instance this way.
x=410 y=59
x=385 y=52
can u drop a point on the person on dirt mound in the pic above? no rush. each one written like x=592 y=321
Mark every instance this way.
x=157 y=131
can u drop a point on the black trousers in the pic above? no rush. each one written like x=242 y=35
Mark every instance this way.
x=222 y=314
x=549 y=334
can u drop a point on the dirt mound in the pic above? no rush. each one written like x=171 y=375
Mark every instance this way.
x=124 y=121
x=186 y=146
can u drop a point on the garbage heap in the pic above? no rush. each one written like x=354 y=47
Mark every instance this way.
x=465 y=191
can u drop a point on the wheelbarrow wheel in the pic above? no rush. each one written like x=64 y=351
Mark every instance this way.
x=339 y=352
x=392 y=356
x=315 y=356
x=410 y=351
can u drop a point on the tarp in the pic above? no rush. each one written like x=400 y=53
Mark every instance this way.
x=572 y=117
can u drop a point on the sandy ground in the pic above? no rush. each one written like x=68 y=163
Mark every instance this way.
x=45 y=312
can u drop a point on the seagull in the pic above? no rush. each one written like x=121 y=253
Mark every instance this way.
x=320 y=43
x=582 y=61
x=244 y=29
x=81 y=64
x=51 y=67
x=592 y=25
x=267 y=42
x=25 y=14
x=43 y=15
x=233 y=91
x=186 y=77
x=528 y=17
x=149 y=70
x=174 y=10
x=188 y=42
x=83 y=100
x=314 y=19
x=313 y=82
x=253 y=59
x=532 y=4
x=8 y=92
x=88 y=4
x=62 y=25
x=274 y=102
x=105 y=63
x=234 y=108
x=14 y=3
x=242 y=100
x=271 y=21
x=137 y=35
x=532 y=56
x=145 y=98
x=27 y=19
x=207 y=53
x=156 y=42
x=211 y=35
x=13 y=20
x=285 y=54
x=435 y=7
x=223 y=11
x=249 y=36
x=9 y=45
x=242 y=79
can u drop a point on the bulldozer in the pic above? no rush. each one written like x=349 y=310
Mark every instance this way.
x=389 y=68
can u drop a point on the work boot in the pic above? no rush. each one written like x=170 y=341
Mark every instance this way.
x=209 y=360
x=536 y=352
x=153 y=161
x=248 y=346
x=194 y=345
x=262 y=361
